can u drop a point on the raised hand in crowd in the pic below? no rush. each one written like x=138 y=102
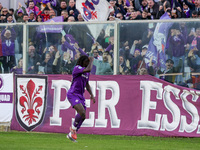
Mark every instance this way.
x=19 y=5
x=49 y=5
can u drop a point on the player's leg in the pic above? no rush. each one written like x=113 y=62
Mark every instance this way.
x=80 y=117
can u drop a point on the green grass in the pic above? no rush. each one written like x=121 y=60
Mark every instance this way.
x=54 y=141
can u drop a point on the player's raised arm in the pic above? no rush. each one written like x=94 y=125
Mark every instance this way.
x=89 y=66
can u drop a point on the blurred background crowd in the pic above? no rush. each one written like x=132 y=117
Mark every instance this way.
x=51 y=52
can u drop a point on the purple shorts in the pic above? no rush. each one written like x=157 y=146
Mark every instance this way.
x=75 y=99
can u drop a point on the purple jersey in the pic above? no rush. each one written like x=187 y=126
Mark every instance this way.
x=79 y=81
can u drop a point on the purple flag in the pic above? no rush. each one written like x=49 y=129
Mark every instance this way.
x=53 y=2
x=70 y=38
x=127 y=3
x=91 y=37
x=158 y=41
x=52 y=28
x=45 y=1
x=37 y=1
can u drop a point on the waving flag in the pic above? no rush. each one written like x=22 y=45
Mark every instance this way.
x=127 y=3
x=53 y=2
x=158 y=41
x=52 y=28
x=94 y=10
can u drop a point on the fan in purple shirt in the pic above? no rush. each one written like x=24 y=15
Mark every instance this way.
x=75 y=96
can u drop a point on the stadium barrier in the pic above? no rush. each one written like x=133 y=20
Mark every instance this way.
x=125 y=105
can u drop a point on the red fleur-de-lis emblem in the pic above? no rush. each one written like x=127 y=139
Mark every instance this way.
x=30 y=101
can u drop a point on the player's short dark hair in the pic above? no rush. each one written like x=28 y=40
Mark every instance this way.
x=81 y=60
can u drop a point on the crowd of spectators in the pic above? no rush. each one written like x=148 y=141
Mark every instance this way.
x=56 y=53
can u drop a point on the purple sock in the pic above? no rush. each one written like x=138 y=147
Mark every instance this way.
x=78 y=121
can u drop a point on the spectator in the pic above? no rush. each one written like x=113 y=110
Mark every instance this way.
x=145 y=15
x=52 y=12
x=113 y=4
x=166 y=7
x=45 y=15
x=118 y=7
x=10 y=19
x=95 y=54
x=71 y=8
x=32 y=8
x=65 y=15
x=34 y=60
x=71 y=19
x=170 y=69
x=4 y=15
x=111 y=18
x=103 y=67
x=67 y=64
x=192 y=5
x=18 y=69
x=125 y=51
x=142 y=62
x=177 y=42
x=8 y=37
x=194 y=14
x=134 y=16
x=120 y=16
x=144 y=5
x=144 y=70
x=19 y=13
x=147 y=34
x=60 y=7
x=196 y=40
x=186 y=11
x=47 y=63
x=31 y=17
x=11 y=12
x=193 y=60
x=130 y=9
x=134 y=61
x=39 y=18
x=80 y=18
x=25 y=18
x=123 y=69
x=153 y=9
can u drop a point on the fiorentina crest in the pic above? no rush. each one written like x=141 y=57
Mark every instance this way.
x=30 y=100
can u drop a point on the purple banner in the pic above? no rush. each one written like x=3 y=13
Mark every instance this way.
x=6 y=97
x=125 y=105
x=53 y=2
x=52 y=28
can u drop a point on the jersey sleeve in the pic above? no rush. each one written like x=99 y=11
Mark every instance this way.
x=78 y=70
